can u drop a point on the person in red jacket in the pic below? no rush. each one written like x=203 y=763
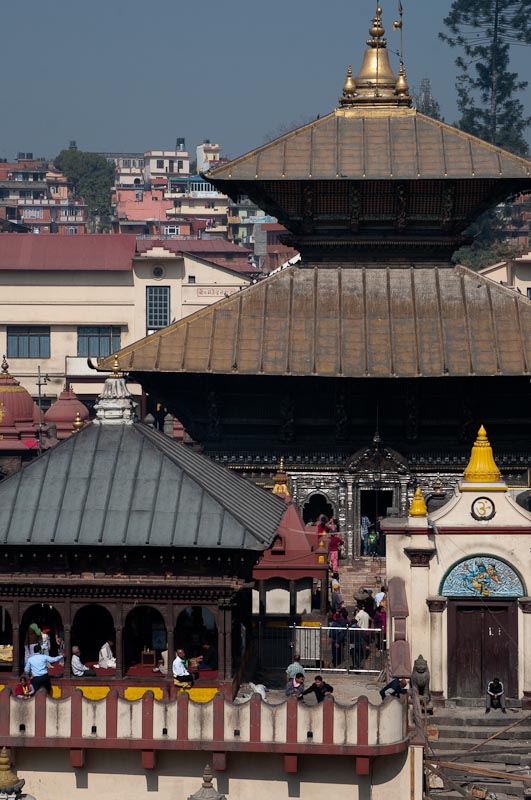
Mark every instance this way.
x=334 y=543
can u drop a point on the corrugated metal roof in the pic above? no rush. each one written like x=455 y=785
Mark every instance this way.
x=374 y=144
x=132 y=486
x=57 y=252
x=363 y=322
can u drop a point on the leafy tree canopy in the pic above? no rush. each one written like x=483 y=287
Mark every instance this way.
x=487 y=89
x=91 y=177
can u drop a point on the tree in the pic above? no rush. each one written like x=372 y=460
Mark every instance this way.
x=487 y=90
x=424 y=101
x=90 y=177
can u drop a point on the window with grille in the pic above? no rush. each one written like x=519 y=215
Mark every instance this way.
x=157 y=307
x=28 y=341
x=97 y=341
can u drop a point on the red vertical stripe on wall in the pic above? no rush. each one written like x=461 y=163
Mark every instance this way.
x=256 y=717
x=363 y=720
x=76 y=714
x=111 y=709
x=182 y=716
x=219 y=718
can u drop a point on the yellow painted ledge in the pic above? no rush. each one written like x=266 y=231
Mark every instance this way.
x=94 y=692
x=201 y=695
x=136 y=692
x=2 y=686
x=56 y=692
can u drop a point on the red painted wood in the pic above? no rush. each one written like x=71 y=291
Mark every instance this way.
x=328 y=720
x=147 y=717
x=291 y=720
x=182 y=716
x=111 y=709
x=219 y=718
x=5 y=711
x=148 y=759
x=77 y=758
x=76 y=711
x=290 y=764
x=363 y=766
x=363 y=720
x=256 y=717
x=219 y=761
x=40 y=712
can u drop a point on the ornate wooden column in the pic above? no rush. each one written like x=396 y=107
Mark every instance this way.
x=350 y=521
x=525 y=661
x=119 y=641
x=15 y=622
x=436 y=606
x=225 y=641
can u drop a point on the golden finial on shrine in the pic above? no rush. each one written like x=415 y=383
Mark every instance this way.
x=418 y=506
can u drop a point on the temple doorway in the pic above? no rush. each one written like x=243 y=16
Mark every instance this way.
x=196 y=625
x=6 y=640
x=316 y=505
x=93 y=625
x=144 y=631
x=482 y=645
x=375 y=502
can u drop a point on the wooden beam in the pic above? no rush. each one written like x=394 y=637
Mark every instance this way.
x=475 y=770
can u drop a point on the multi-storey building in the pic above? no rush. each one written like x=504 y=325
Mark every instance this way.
x=36 y=197
x=65 y=299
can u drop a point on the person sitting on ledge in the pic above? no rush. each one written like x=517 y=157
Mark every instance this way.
x=295 y=686
x=24 y=690
x=495 y=696
x=79 y=670
x=319 y=688
x=106 y=659
x=394 y=688
x=181 y=677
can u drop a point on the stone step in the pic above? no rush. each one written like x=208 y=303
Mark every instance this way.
x=453 y=746
x=479 y=702
x=495 y=718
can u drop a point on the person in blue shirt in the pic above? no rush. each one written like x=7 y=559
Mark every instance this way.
x=37 y=665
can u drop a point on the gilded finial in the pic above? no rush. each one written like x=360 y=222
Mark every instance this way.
x=377 y=31
x=280 y=480
x=437 y=485
x=5 y=368
x=116 y=373
x=77 y=423
x=418 y=506
x=8 y=778
x=402 y=86
x=349 y=89
x=482 y=468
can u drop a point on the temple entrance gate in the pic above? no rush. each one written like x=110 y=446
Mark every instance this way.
x=482 y=645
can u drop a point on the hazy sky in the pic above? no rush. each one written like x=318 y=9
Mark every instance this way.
x=132 y=75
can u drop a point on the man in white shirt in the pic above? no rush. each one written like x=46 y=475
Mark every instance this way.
x=79 y=670
x=106 y=660
x=362 y=618
x=181 y=676
x=379 y=596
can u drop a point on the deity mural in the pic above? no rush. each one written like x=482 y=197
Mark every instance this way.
x=482 y=576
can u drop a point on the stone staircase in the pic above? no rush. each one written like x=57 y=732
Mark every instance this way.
x=364 y=572
x=454 y=731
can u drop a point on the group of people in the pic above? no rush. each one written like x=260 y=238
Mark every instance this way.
x=370 y=613
x=295 y=683
x=36 y=674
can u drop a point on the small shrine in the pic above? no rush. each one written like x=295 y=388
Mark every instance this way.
x=22 y=431
x=66 y=414
x=458 y=584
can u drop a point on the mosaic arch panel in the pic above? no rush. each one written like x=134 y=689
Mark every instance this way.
x=483 y=576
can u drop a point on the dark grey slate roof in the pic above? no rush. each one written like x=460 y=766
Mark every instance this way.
x=131 y=486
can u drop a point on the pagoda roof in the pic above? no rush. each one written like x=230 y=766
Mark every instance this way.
x=364 y=322
x=131 y=486
x=365 y=143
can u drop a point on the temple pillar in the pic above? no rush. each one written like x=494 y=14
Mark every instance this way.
x=351 y=548
x=16 y=649
x=342 y=505
x=292 y=598
x=419 y=623
x=119 y=641
x=67 y=634
x=525 y=657
x=225 y=642
x=436 y=606
x=262 y=598
x=403 y=503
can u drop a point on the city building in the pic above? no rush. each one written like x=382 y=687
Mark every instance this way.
x=35 y=197
x=515 y=273
x=63 y=299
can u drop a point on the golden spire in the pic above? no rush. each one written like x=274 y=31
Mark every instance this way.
x=482 y=467
x=8 y=778
x=280 y=480
x=376 y=83
x=418 y=506
x=77 y=423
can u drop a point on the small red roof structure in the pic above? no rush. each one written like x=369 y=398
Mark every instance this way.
x=63 y=414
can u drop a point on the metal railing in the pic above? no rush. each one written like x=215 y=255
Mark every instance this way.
x=322 y=648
